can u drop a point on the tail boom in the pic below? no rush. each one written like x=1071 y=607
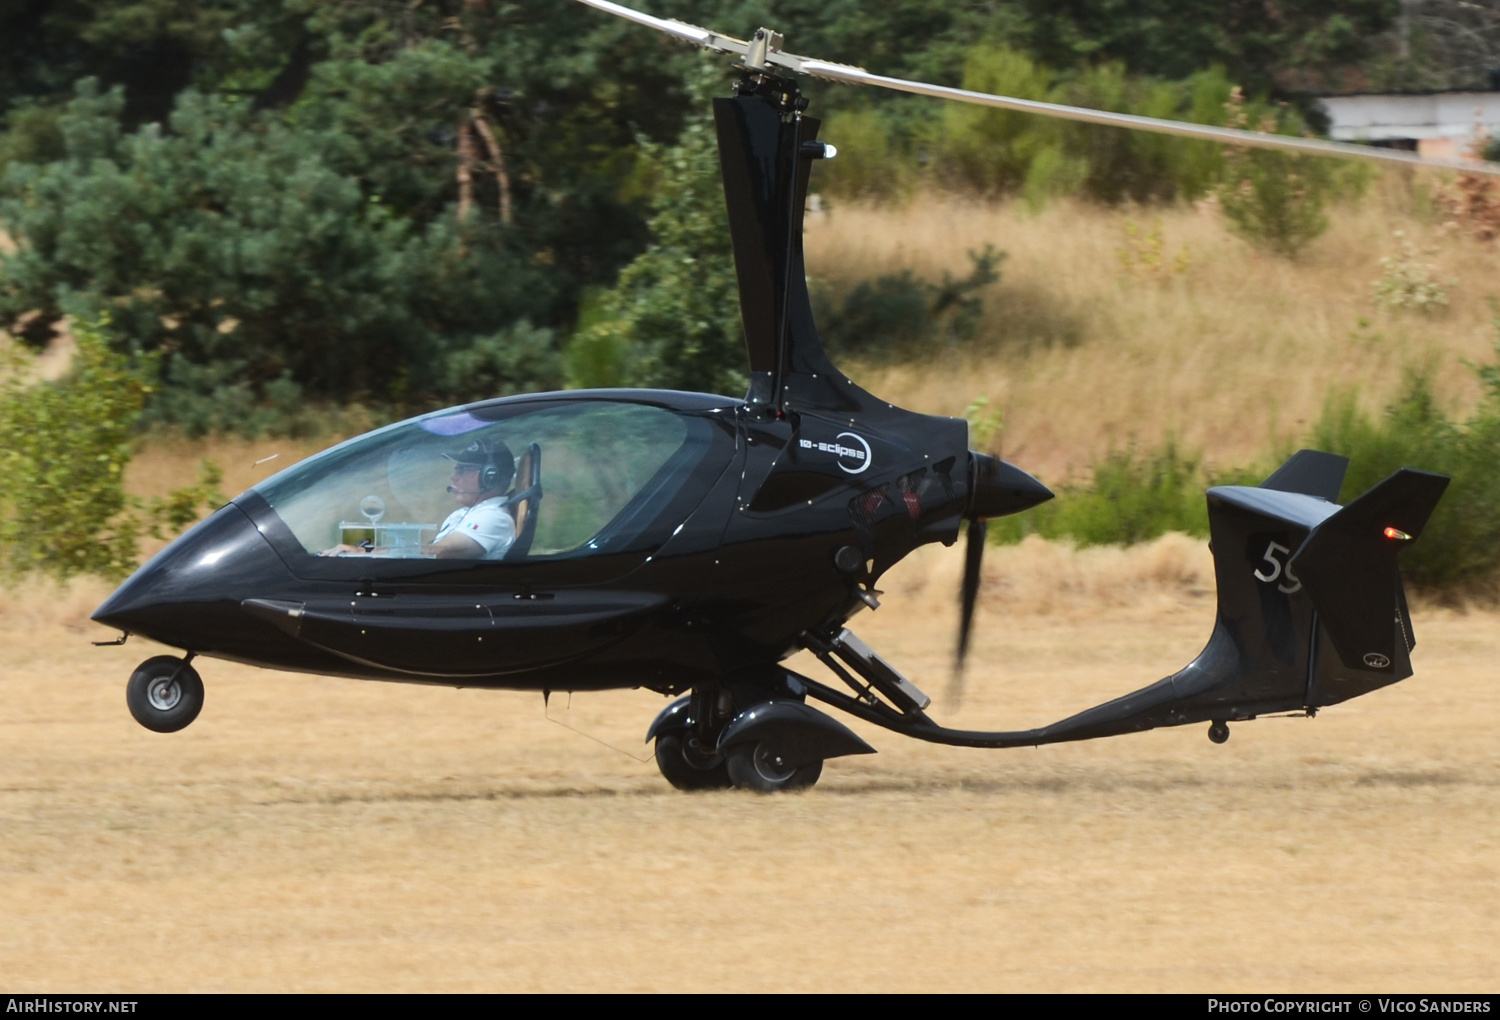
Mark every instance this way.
x=1311 y=611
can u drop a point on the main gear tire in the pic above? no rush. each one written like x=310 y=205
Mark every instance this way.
x=165 y=694
x=686 y=767
x=756 y=766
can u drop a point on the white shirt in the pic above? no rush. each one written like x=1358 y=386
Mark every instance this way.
x=488 y=523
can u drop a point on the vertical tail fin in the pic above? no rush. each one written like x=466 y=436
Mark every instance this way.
x=1348 y=564
x=1312 y=473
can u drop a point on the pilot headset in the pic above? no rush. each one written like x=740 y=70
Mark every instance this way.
x=489 y=472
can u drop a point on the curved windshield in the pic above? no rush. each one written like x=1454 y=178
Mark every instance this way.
x=547 y=478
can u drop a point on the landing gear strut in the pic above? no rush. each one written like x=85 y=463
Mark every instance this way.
x=753 y=733
x=686 y=741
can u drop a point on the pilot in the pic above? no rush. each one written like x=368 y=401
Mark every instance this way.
x=482 y=527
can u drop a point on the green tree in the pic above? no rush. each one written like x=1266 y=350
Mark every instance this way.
x=1258 y=42
x=284 y=199
x=673 y=319
x=153 y=49
x=319 y=246
x=993 y=150
x=271 y=250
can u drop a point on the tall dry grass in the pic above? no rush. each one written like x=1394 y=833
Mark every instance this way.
x=35 y=608
x=1233 y=355
x=165 y=462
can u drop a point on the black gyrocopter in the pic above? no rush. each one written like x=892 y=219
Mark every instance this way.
x=689 y=543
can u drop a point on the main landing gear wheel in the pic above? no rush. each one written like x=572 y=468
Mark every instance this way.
x=164 y=694
x=686 y=766
x=757 y=767
x=1219 y=731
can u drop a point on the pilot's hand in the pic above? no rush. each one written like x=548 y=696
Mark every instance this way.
x=344 y=549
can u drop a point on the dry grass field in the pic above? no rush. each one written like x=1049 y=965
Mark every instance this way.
x=316 y=834
x=1233 y=354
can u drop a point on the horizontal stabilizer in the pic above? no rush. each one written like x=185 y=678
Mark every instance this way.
x=1312 y=473
x=1348 y=565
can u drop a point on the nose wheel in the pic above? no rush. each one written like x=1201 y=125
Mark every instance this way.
x=164 y=693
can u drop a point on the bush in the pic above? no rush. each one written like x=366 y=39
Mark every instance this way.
x=872 y=162
x=198 y=400
x=1132 y=496
x=900 y=316
x=1410 y=285
x=992 y=150
x=995 y=151
x=1471 y=203
x=1144 y=255
x=1272 y=199
x=1141 y=166
x=63 y=451
x=1275 y=200
x=1461 y=545
x=64 y=448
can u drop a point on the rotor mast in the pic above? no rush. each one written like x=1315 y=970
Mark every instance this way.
x=766 y=149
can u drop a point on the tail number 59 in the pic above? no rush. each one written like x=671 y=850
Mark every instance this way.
x=1278 y=565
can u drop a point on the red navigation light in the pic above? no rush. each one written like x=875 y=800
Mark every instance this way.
x=1397 y=534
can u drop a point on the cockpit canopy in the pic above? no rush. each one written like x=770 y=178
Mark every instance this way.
x=606 y=469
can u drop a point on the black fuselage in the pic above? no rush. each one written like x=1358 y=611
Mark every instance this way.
x=772 y=529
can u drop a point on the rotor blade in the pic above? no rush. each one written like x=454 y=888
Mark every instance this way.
x=677 y=29
x=1206 y=132
x=767 y=53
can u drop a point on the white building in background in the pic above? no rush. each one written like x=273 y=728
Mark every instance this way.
x=1435 y=124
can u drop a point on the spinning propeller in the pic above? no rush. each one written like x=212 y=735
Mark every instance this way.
x=968 y=596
